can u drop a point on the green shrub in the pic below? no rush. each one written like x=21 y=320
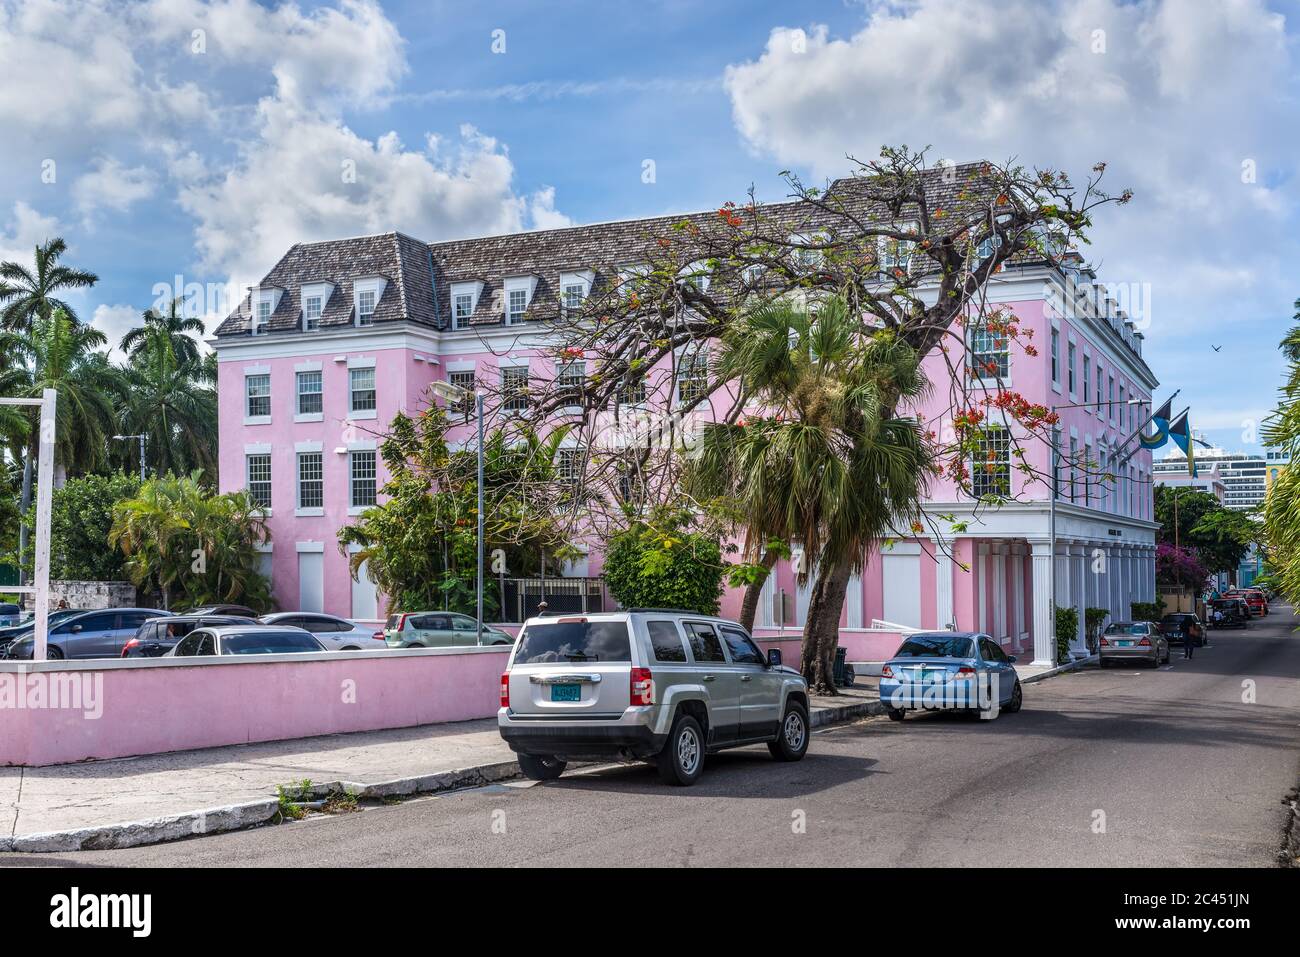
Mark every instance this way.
x=1067 y=628
x=1147 y=610
x=660 y=563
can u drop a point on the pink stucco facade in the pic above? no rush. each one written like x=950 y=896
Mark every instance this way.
x=993 y=569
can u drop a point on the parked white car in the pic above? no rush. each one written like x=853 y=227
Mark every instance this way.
x=336 y=634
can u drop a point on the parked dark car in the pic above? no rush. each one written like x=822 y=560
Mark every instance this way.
x=10 y=614
x=157 y=636
x=24 y=630
x=245 y=640
x=1181 y=627
x=241 y=611
x=89 y=634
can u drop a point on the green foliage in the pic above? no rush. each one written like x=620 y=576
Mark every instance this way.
x=1092 y=620
x=1220 y=535
x=420 y=545
x=1067 y=629
x=194 y=547
x=1146 y=610
x=663 y=563
x=81 y=518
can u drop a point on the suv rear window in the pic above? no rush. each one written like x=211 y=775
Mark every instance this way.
x=574 y=640
x=935 y=648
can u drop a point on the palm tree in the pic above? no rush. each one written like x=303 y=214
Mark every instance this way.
x=30 y=294
x=59 y=353
x=173 y=329
x=189 y=543
x=825 y=462
x=167 y=397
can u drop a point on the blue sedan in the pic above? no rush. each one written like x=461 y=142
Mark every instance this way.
x=950 y=671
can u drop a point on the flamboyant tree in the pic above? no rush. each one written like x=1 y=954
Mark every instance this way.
x=908 y=246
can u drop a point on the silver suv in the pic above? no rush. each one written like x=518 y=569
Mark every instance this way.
x=657 y=685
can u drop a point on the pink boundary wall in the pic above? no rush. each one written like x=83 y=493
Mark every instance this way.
x=149 y=707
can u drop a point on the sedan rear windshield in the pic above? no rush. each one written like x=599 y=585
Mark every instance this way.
x=935 y=648
x=268 y=643
x=1176 y=619
x=1127 y=629
x=574 y=640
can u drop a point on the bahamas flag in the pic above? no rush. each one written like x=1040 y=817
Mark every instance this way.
x=1159 y=418
x=1181 y=433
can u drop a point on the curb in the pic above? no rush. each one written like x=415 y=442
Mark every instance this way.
x=1059 y=669
x=238 y=817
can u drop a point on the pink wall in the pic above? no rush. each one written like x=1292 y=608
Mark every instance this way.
x=154 y=706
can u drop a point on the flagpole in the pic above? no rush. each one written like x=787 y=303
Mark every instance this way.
x=1138 y=432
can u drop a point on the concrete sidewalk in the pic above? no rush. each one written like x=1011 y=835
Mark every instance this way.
x=130 y=801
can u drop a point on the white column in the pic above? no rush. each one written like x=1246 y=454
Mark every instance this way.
x=981 y=582
x=943 y=585
x=999 y=592
x=1017 y=596
x=1079 y=589
x=1044 y=620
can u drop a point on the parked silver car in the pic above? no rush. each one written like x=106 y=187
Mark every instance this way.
x=244 y=640
x=1133 y=641
x=659 y=685
x=438 y=629
x=336 y=634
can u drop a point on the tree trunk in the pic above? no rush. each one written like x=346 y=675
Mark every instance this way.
x=753 y=591
x=821 y=634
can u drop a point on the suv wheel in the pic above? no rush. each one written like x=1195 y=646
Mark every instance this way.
x=791 y=742
x=541 y=767
x=682 y=759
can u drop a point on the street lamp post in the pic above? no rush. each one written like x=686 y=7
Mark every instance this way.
x=140 y=437
x=454 y=393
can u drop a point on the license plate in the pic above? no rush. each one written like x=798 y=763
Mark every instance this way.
x=566 y=692
x=1126 y=644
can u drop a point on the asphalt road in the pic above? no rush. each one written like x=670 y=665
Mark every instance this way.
x=1176 y=766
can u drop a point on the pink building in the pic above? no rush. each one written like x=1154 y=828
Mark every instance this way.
x=341 y=335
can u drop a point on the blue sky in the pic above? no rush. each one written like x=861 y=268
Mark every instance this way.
x=202 y=137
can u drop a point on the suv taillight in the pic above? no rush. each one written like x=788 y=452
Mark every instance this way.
x=133 y=643
x=886 y=671
x=1105 y=643
x=379 y=636
x=642 y=688
x=965 y=671
x=1145 y=641
x=401 y=622
x=505 y=689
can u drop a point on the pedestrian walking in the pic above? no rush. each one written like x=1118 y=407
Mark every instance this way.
x=1189 y=645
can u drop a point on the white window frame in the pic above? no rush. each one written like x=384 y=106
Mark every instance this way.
x=299 y=507
x=977 y=370
x=248 y=478
x=355 y=411
x=525 y=285
x=978 y=467
x=891 y=252
x=356 y=456
x=460 y=290
x=578 y=283
x=375 y=286
x=511 y=402
x=308 y=416
x=251 y=417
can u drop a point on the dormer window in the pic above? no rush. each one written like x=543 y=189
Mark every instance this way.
x=895 y=255
x=312 y=307
x=630 y=279
x=805 y=256
x=365 y=307
x=697 y=274
x=264 y=301
x=988 y=246
x=464 y=300
x=366 y=294
x=574 y=289
x=519 y=293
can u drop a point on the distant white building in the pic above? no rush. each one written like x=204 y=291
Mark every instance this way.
x=1207 y=480
x=1243 y=476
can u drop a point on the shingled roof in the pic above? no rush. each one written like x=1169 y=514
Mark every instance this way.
x=420 y=275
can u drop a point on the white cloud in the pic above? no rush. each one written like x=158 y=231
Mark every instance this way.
x=542 y=213
x=26 y=230
x=306 y=177
x=115 y=321
x=1179 y=102
x=110 y=185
